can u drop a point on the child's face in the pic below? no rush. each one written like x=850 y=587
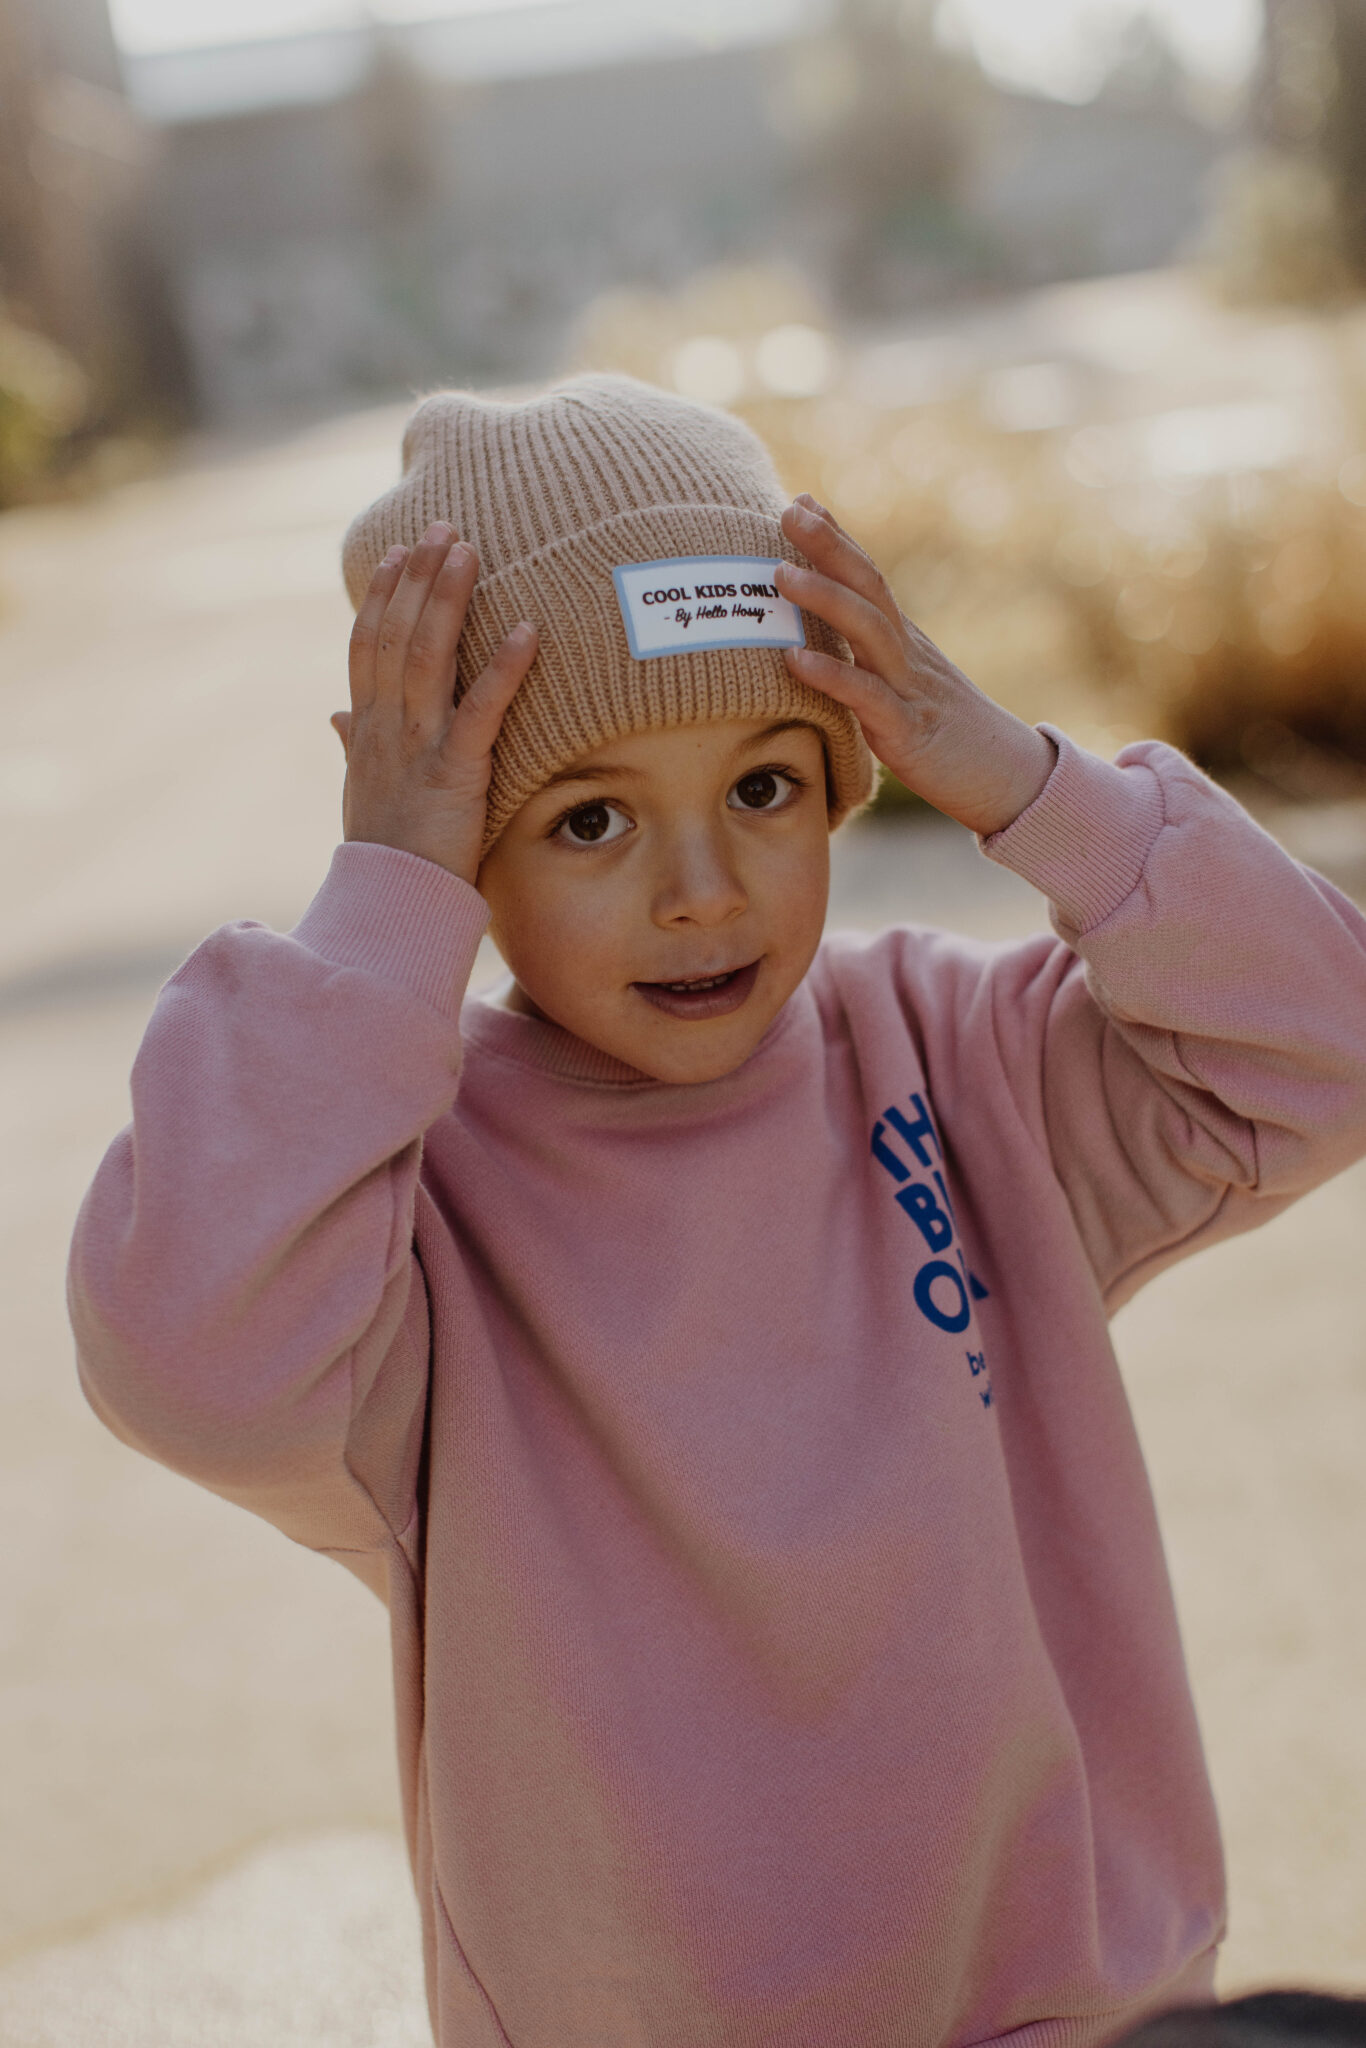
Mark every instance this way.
x=697 y=854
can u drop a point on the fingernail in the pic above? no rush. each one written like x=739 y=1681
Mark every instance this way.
x=523 y=632
x=439 y=530
x=395 y=554
x=804 y=513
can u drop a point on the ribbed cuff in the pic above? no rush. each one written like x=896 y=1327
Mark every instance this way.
x=1085 y=840
x=401 y=918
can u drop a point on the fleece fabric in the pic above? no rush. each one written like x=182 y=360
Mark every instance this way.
x=783 y=1646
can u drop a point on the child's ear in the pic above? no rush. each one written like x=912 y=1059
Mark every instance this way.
x=340 y=722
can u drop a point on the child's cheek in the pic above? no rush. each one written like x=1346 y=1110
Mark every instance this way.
x=568 y=940
x=795 y=881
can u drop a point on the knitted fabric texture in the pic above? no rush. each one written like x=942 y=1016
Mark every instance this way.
x=554 y=493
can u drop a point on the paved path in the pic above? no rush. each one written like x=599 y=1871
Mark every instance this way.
x=197 y=1813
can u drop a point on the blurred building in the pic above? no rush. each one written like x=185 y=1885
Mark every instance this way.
x=364 y=211
x=76 y=261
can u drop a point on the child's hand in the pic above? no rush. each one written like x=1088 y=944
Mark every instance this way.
x=418 y=763
x=934 y=729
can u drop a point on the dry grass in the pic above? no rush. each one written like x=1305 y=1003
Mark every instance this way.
x=42 y=398
x=1074 y=570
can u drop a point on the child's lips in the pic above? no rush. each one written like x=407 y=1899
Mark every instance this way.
x=701 y=996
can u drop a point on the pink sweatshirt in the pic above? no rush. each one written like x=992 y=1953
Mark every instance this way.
x=784 y=1651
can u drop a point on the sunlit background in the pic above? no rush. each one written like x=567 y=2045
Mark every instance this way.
x=1061 y=305
x=1057 y=303
x=1054 y=46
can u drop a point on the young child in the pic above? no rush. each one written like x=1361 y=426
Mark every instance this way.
x=702 y=1346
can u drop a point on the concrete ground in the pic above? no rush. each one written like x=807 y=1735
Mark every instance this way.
x=198 y=1812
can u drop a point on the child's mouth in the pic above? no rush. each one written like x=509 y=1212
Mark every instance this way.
x=704 y=995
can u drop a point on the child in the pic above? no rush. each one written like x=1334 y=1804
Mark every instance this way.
x=702 y=1347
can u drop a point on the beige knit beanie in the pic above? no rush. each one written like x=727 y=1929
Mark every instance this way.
x=557 y=492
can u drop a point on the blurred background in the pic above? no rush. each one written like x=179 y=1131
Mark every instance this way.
x=1062 y=308
x=1058 y=307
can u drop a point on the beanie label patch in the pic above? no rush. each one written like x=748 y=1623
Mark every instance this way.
x=697 y=601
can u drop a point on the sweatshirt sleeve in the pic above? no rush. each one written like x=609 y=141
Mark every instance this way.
x=1197 y=1059
x=246 y=1301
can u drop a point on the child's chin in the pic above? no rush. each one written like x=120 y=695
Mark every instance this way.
x=710 y=1059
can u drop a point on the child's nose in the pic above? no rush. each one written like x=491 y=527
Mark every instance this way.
x=696 y=882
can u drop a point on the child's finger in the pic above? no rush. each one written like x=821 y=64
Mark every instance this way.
x=805 y=500
x=848 y=684
x=877 y=643
x=829 y=548
x=429 y=672
x=479 y=714
x=404 y=609
x=881 y=714
x=365 y=632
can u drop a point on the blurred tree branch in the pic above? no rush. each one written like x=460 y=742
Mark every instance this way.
x=884 y=120
x=1290 y=214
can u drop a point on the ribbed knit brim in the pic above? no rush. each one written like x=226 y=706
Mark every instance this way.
x=556 y=492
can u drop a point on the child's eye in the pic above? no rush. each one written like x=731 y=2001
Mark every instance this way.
x=765 y=790
x=593 y=825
